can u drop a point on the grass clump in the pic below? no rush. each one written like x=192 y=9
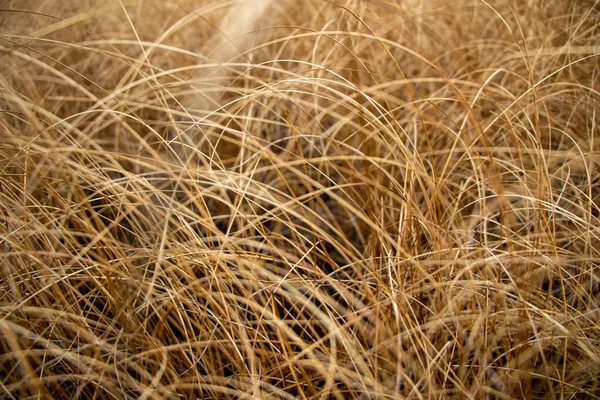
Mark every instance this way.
x=309 y=200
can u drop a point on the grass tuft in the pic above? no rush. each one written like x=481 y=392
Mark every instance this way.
x=313 y=200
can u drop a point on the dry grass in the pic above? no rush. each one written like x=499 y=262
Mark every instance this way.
x=311 y=200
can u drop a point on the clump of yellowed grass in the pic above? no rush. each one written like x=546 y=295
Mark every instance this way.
x=308 y=200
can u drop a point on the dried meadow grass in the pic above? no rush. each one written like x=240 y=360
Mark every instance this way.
x=311 y=200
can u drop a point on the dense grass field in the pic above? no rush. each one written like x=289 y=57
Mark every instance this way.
x=262 y=199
